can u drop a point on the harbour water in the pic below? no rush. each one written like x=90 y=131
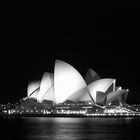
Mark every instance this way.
x=40 y=128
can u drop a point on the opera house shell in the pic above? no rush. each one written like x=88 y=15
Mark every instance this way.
x=67 y=84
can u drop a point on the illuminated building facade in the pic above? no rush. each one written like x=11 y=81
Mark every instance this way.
x=67 y=84
x=67 y=93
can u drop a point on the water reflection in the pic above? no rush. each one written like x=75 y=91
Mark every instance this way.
x=70 y=128
x=79 y=128
x=53 y=128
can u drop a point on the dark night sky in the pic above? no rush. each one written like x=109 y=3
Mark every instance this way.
x=107 y=41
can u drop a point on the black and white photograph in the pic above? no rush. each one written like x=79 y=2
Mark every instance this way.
x=70 y=71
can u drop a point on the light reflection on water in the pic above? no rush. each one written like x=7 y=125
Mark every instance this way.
x=78 y=128
x=54 y=128
x=75 y=128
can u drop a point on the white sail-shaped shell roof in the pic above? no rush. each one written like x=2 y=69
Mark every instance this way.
x=46 y=83
x=118 y=88
x=32 y=86
x=113 y=95
x=100 y=85
x=67 y=80
x=34 y=95
x=91 y=76
x=81 y=95
x=49 y=95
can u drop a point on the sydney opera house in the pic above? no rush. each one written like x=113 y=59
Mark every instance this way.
x=66 y=93
x=67 y=85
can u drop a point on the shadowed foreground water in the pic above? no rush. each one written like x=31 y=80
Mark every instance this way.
x=70 y=128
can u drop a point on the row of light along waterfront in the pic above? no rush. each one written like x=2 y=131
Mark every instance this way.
x=67 y=110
